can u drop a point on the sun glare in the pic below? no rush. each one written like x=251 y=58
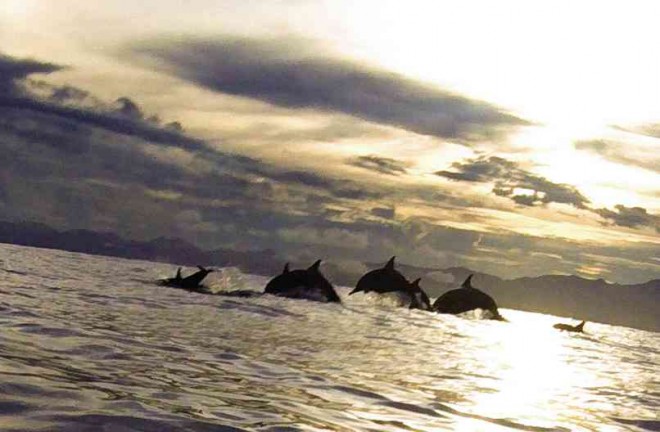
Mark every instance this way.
x=532 y=363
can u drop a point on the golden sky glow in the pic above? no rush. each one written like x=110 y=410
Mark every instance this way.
x=579 y=71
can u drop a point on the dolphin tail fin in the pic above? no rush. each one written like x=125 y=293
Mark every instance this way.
x=390 y=264
x=315 y=266
x=468 y=282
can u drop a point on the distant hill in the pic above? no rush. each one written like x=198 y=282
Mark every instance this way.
x=565 y=295
x=170 y=250
x=571 y=296
x=635 y=306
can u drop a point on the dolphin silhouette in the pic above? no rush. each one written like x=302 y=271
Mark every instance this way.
x=309 y=284
x=387 y=280
x=191 y=283
x=569 y=328
x=466 y=298
x=382 y=280
x=419 y=299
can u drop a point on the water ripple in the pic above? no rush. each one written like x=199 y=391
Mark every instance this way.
x=91 y=343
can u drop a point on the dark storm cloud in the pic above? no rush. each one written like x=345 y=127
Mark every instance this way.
x=507 y=176
x=12 y=69
x=630 y=217
x=290 y=73
x=379 y=164
x=620 y=153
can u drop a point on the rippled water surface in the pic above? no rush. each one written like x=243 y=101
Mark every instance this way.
x=92 y=344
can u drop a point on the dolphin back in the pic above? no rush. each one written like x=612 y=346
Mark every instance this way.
x=382 y=281
x=463 y=300
x=307 y=284
x=194 y=280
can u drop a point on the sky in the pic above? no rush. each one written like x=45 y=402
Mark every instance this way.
x=512 y=137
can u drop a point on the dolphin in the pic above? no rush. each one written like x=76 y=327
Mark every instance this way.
x=466 y=298
x=569 y=328
x=382 y=280
x=419 y=299
x=306 y=283
x=388 y=280
x=192 y=282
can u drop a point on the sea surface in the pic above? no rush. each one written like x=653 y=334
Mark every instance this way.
x=91 y=343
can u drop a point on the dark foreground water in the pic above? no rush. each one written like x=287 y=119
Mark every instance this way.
x=92 y=344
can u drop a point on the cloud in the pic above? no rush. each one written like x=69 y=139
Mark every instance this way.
x=384 y=212
x=622 y=153
x=327 y=238
x=379 y=164
x=76 y=157
x=290 y=73
x=515 y=183
x=129 y=108
x=337 y=187
x=69 y=104
x=74 y=166
x=107 y=120
x=630 y=217
x=649 y=129
x=13 y=69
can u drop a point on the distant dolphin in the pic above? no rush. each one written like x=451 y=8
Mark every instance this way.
x=387 y=280
x=569 y=328
x=307 y=284
x=465 y=299
x=192 y=282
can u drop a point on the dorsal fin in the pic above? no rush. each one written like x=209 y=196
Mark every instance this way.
x=580 y=326
x=286 y=268
x=468 y=282
x=201 y=268
x=415 y=283
x=315 y=266
x=390 y=264
x=178 y=273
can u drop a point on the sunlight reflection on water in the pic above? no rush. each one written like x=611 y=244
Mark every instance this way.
x=91 y=340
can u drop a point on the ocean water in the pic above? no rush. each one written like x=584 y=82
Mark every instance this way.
x=91 y=343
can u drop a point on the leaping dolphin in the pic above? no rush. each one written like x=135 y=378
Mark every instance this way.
x=192 y=282
x=387 y=280
x=466 y=298
x=382 y=280
x=569 y=328
x=307 y=284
